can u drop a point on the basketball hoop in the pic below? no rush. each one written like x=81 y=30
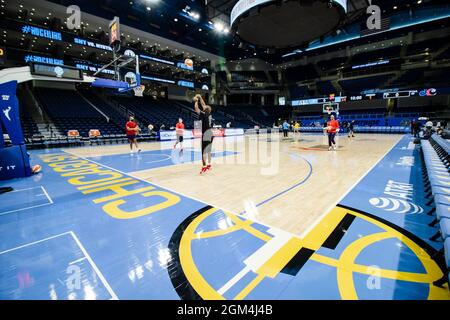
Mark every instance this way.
x=139 y=91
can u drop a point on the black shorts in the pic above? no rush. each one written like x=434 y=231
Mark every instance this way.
x=131 y=137
x=180 y=138
x=207 y=145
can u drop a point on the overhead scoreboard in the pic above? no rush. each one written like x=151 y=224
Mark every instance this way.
x=62 y=72
x=430 y=92
x=399 y=94
x=114 y=32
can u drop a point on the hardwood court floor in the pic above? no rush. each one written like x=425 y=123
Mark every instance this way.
x=305 y=180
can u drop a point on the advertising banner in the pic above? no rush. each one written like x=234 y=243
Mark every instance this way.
x=9 y=114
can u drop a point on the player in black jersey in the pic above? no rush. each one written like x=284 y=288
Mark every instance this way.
x=204 y=112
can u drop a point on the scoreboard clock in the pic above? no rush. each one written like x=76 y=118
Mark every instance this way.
x=399 y=94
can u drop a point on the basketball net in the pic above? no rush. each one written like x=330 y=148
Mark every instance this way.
x=139 y=91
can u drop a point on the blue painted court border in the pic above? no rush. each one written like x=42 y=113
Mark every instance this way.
x=282 y=287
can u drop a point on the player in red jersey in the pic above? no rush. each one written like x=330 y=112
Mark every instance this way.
x=332 y=129
x=132 y=130
x=180 y=132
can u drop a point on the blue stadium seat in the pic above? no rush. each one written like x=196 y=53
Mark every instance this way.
x=444 y=225
x=438 y=183
x=442 y=212
x=447 y=252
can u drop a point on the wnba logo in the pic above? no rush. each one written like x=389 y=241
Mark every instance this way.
x=396 y=205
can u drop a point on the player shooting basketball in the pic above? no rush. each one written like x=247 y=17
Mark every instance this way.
x=207 y=136
x=132 y=131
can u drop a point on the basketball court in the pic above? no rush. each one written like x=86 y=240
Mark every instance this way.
x=279 y=235
x=300 y=183
x=322 y=184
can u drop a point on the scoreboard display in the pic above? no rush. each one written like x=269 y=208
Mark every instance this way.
x=399 y=94
x=114 y=31
x=2 y=55
x=62 y=72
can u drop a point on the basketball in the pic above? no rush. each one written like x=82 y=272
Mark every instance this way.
x=189 y=63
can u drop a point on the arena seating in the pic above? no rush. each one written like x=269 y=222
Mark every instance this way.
x=235 y=115
x=250 y=115
x=69 y=111
x=359 y=129
x=115 y=116
x=332 y=64
x=297 y=92
x=423 y=47
x=436 y=155
x=325 y=87
x=154 y=111
x=359 y=84
x=299 y=73
x=29 y=126
x=244 y=76
x=409 y=78
x=365 y=119
x=444 y=54
x=371 y=56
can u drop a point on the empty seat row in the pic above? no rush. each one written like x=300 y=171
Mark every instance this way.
x=437 y=177
x=61 y=142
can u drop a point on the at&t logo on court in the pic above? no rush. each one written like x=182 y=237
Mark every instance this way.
x=396 y=205
x=402 y=204
x=406 y=161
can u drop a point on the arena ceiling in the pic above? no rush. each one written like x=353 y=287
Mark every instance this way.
x=193 y=22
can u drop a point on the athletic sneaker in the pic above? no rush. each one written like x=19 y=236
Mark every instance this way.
x=334 y=147
x=204 y=169
x=208 y=167
x=330 y=148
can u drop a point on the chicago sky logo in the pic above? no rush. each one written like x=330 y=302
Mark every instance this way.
x=402 y=203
